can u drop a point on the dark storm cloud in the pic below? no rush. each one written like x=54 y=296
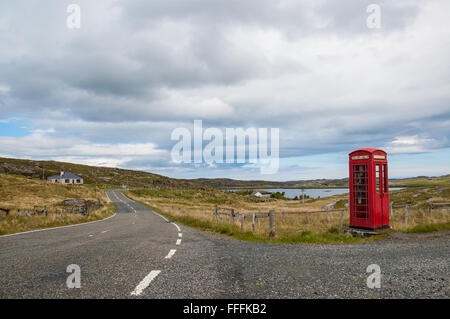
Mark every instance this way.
x=293 y=17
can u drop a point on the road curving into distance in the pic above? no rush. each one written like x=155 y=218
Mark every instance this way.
x=140 y=254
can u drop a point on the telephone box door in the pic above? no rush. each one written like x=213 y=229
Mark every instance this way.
x=385 y=195
x=381 y=195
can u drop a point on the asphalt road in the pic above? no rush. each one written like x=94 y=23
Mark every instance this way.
x=138 y=254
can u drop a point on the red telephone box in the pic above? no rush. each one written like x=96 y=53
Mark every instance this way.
x=369 y=189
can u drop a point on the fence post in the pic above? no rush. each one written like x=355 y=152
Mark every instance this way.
x=430 y=208
x=326 y=215
x=242 y=221
x=391 y=209
x=216 y=215
x=406 y=214
x=253 y=222
x=271 y=224
x=232 y=216
x=306 y=217
x=341 y=220
x=283 y=217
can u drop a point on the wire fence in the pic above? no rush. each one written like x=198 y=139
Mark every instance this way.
x=255 y=217
x=393 y=211
x=234 y=216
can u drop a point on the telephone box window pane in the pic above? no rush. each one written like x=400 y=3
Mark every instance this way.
x=377 y=177
x=385 y=181
x=360 y=188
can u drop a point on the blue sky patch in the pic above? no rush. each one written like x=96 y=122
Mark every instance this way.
x=13 y=128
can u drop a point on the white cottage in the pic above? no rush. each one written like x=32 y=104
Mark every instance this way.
x=65 y=178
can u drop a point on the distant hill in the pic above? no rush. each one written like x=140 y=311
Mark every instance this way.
x=318 y=183
x=138 y=179
x=232 y=183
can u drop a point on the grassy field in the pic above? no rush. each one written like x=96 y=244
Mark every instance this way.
x=421 y=181
x=18 y=192
x=195 y=208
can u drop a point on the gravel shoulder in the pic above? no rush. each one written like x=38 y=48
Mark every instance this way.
x=215 y=267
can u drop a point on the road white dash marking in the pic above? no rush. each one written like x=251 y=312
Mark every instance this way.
x=145 y=282
x=104 y=231
x=91 y=235
x=179 y=229
x=180 y=235
x=171 y=253
x=178 y=241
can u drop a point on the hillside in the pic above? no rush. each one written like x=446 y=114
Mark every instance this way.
x=118 y=177
x=18 y=192
x=92 y=175
x=22 y=193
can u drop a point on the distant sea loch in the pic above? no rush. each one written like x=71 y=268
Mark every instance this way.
x=311 y=192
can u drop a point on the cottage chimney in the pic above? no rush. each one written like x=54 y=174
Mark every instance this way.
x=61 y=173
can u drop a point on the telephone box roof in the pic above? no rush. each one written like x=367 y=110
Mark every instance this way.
x=369 y=150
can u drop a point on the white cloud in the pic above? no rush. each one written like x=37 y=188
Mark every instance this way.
x=94 y=161
x=411 y=144
x=41 y=145
x=179 y=105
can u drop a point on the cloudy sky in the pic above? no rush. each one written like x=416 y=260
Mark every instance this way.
x=111 y=92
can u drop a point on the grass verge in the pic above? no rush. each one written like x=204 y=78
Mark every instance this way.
x=421 y=229
x=17 y=224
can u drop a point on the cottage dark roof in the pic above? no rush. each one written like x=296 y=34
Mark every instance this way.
x=66 y=175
